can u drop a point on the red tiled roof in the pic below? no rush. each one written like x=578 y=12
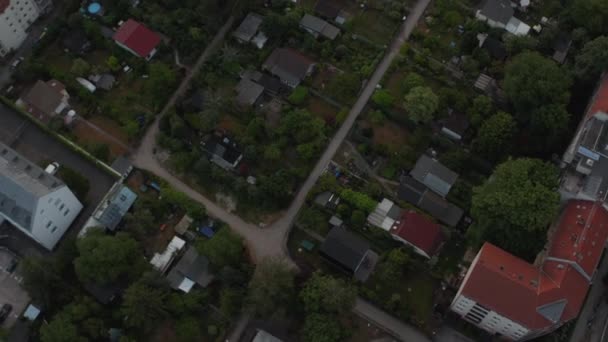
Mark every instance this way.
x=137 y=37
x=578 y=241
x=599 y=102
x=418 y=230
x=4 y=5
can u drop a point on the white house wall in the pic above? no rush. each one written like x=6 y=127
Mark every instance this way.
x=54 y=215
x=14 y=22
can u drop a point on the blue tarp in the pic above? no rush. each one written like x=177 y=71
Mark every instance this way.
x=206 y=231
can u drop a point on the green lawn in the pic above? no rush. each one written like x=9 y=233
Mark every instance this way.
x=373 y=25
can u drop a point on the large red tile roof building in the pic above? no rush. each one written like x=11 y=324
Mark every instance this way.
x=505 y=295
x=137 y=39
x=420 y=232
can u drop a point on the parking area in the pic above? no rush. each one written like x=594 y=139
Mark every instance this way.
x=10 y=289
x=33 y=143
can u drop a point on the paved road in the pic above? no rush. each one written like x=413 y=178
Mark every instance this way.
x=390 y=324
x=595 y=310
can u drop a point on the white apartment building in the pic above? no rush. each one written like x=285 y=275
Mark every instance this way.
x=16 y=16
x=37 y=203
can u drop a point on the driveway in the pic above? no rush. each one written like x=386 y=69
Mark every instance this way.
x=10 y=289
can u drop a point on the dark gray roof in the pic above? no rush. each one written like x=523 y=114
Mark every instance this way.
x=118 y=205
x=319 y=26
x=456 y=123
x=223 y=148
x=495 y=48
x=287 y=64
x=44 y=97
x=122 y=165
x=345 y=248
x=434 y=175
x=498 y=10
x=76 y=41
x=22 y=184
x=249 y=27
x=561 y=46
x=193 y=266
x=248 y=92
x=417 y=194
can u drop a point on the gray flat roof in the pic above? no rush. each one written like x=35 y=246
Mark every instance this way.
x=434 y=175
x=249 y=27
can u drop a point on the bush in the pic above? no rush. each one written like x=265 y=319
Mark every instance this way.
x=298 y=96
x=78 y=183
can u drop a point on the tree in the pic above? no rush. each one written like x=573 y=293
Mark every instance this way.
x=298 y=95
x=144 y=304
x=225 y=249
x=494 y=136
x=383 y=99
x=593 y=59
x=480 y=110
x=322 y=328
x=104 y=258
x=357 y=218
x=160 y=78
x=591 y=14
x=271 y=289
x=324 y=293
x=344 y=87
x=78 y=321
x=517 y=44
x=515 y=206
x=533 y=81
x=80 y=67
x=421 y=104
x=113 y=63
x=358 y=200
x=411 y=81
x=313 y=219
x=376 y=117
x=393 y=265
x=272 y=153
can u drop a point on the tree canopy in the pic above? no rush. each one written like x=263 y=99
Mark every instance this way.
x=593 y=59
x=322 y=328
x=104 y=258
x=533 y=81
x=324 y=293
x=494 y=136
x=590 y=14
x=515 y=206
x=271 y=289
x=225 y=249
x=144 y=304
x=78 y=321
x=421 y=104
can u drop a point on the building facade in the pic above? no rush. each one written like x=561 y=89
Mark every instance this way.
x=35 y=202
x=16 y=16
x=519 y=301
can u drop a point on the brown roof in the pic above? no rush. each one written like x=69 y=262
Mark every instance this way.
x=4 y=5
x=554 y=292
x=44 y=97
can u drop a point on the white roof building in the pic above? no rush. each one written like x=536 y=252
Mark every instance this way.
x=37 y=203
x=161 y=261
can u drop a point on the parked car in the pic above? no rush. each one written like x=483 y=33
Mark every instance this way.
x=4 y=311
x=52 y=168
x=16 y=62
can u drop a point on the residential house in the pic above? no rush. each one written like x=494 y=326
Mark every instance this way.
x=289 y=65
x=111 y=210
x=249 y=31
x=499 y=14
x=561 y=47
x=103 y=81
x=76 y=42
x=263 y=336
x=407 y=226
x=385 y=215
x=272 y=85
x=162 y=261
x=455 y=125
x=191 y=269
x=223 y=152
x=328 y=200
x=332 y=10
x=349 y=253
x=136 y=38
x=16 y=17
x=586 y=176
x=416 y=193
x=319 y=27
x=495 y=47
x=182 y=226
x=248 y=92
x=419 y=232
x=434 y=175
x=45 y=100
x=517 y=300
x=34 y=201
